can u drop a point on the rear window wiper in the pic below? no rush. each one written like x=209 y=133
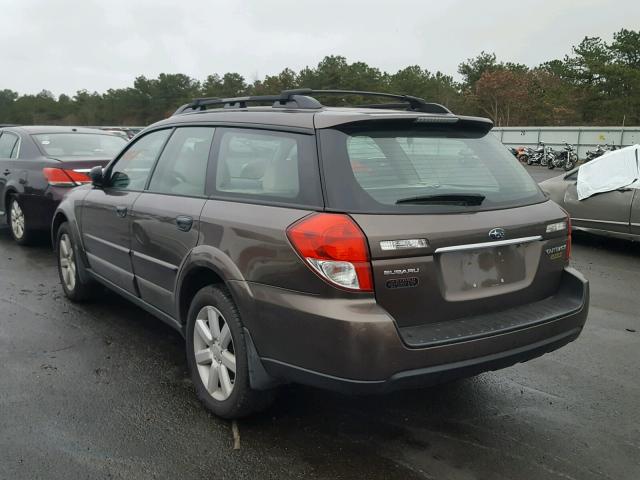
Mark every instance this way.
x=446 y=199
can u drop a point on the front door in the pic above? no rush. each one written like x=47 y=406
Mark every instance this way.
x=106 y=211
x=604 y=211
x=166 y=217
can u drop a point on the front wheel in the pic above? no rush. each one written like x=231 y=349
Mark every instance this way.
x=570 y=164
x=217 y=356
x=73 y=286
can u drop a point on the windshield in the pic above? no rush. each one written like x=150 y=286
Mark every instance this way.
x=422 y=170
x=70 y=145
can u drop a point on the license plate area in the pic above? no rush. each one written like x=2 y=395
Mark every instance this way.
x=473 y=273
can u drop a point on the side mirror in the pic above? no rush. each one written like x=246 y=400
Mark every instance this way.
x=97 y=176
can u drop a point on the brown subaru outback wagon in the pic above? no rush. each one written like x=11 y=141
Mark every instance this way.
x=364 y=249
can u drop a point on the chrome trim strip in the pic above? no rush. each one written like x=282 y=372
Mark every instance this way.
x=147 y=258
x=115 y=246
x=635 y=224
x=82 y=170
x=599 y=221
x=499 y=243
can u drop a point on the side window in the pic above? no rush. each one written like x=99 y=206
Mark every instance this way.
x=8 y=144
x=260 y=164
x=182 y=168
x=132 y=169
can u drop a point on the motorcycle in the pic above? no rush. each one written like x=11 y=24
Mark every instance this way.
x=567 y=158
x=539 y=155
x=599 y=151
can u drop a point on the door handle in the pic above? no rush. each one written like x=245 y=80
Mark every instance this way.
x=7 y=172
x=184 y=223
x=121 y=211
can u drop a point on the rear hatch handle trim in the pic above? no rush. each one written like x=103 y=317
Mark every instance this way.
x=499 y=243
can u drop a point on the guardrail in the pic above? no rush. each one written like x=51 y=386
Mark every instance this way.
x=583 y=138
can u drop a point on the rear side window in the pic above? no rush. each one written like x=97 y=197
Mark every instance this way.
x=8 y=143
x=182 y=168
x=420 y=169
x=267 y=165
x=132 y=169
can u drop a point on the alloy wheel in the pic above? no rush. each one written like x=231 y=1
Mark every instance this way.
x=214 y=353
x=17 y=219
x=67 y=262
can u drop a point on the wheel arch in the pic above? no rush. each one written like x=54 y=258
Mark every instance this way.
x=58 y=219
x=196 y=277
x=10 y=190
x=205 y=265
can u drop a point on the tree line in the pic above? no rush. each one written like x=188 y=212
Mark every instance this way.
x=597 y=84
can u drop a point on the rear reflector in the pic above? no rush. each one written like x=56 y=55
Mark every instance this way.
x=59 y=177
x=335 y=248
x=404 y=244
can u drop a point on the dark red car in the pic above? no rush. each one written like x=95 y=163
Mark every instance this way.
x=38 y=165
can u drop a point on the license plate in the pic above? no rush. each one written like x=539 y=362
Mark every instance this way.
x=482 y=269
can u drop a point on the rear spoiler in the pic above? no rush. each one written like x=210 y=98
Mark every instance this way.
x=391 y=120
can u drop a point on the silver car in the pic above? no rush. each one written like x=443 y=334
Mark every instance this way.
x=615 y=213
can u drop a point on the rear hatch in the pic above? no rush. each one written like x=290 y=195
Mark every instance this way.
x=456 y=227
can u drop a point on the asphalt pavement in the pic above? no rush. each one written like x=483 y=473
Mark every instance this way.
x=101 y=391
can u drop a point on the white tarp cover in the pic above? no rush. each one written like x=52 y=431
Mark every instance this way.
x=613 y=170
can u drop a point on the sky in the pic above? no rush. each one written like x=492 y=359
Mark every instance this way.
x=65 y=46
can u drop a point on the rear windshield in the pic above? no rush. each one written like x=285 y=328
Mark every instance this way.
x=70 y=145
x=417 y=170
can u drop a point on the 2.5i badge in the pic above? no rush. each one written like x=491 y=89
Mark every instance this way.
x=402 y=282
x=556 y=252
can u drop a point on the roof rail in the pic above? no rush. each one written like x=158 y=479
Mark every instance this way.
x=301 y=98
x=284 y=100
x=415 y=103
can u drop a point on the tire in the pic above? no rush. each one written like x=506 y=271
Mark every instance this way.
x=527 y=159
x=569 y=164
x=218 y=348
x=551 y=165
x=67 y=254
x=18 y=223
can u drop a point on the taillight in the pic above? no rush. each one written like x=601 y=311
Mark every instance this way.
x=334 y=246
x=59 y=177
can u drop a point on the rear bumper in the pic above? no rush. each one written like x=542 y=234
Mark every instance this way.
x=354 y=346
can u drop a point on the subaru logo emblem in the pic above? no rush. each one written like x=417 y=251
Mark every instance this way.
x=497 y=234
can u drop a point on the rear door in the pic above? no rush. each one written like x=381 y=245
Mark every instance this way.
x=166 y=217
x=609 y=211
x=456 y=227
x=106 y=219
x=9 y=145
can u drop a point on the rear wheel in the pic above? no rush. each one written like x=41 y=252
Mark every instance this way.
x=74 y=287
x=18 y=223
x=217 y=356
